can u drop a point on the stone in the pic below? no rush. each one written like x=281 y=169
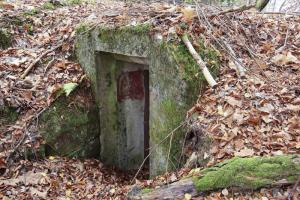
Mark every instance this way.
x=225 y=192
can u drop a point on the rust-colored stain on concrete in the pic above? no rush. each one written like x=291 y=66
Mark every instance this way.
x=131 y=86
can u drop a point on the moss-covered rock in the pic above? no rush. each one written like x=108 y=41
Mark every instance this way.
x=70 y=126
x=5 y=39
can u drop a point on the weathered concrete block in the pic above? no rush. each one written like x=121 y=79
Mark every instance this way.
x=70 y=127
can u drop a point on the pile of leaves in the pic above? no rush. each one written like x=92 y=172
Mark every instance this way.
x=257 y=114
x=37 y=31
x=61 y=178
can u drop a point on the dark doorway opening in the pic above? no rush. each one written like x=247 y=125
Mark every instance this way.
x=123 y=82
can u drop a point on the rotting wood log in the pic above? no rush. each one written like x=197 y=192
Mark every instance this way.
x=211 y=81
x=237 y=173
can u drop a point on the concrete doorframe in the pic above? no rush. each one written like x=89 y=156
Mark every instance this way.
x=128 y=125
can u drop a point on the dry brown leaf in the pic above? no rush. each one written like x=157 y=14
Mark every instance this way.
x=233 y=101
x=188 y=13
x=294 y=108
x=254 y=119
x=36 y=192
x=267 y=108
x=284 y=59
x=245 y=152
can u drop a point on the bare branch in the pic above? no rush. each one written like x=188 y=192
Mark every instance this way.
x=211 y=81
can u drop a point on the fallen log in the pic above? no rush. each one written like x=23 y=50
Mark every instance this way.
x=237 y=173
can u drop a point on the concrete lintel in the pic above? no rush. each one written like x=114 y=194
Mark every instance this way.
x=127 y=57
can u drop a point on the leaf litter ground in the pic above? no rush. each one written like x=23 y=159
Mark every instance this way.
x=254 y=115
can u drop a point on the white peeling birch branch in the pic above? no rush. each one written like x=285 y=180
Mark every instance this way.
x=211 y=81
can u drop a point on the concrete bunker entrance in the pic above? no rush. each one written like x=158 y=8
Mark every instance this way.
x=123 y=85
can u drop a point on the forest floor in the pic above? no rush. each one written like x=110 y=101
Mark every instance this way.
x=257 y=114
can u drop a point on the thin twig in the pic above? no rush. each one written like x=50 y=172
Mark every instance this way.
x=31 y=65
x=24 y=135
x=154 y=148
x=183 y=144
x=233 y=10
x=287 y=34
x=240 y=68
x=169 y=152
x=291 y=194
x=219 y=42
x=49 y=65
x=17 y=146
x=281 y=13
x=286 y=37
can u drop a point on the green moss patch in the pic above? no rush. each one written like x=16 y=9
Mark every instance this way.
x=32 y=12
x=8 y=115
x=5 y=39
x=162 y=128
x=70 y=126
x=146 y=190
x=247 y=173
x=82 y=28
x=117 y=34
x=189 y=69
x=48 y=6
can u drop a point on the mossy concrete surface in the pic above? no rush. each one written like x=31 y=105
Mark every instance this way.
x=175 y=81
x=248 y=173
x=70 y=127
x=8 y=115
x=124 y=40
x=5 y=38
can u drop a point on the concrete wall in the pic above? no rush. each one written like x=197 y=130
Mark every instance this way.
x=172 y=90
x=70 y=126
